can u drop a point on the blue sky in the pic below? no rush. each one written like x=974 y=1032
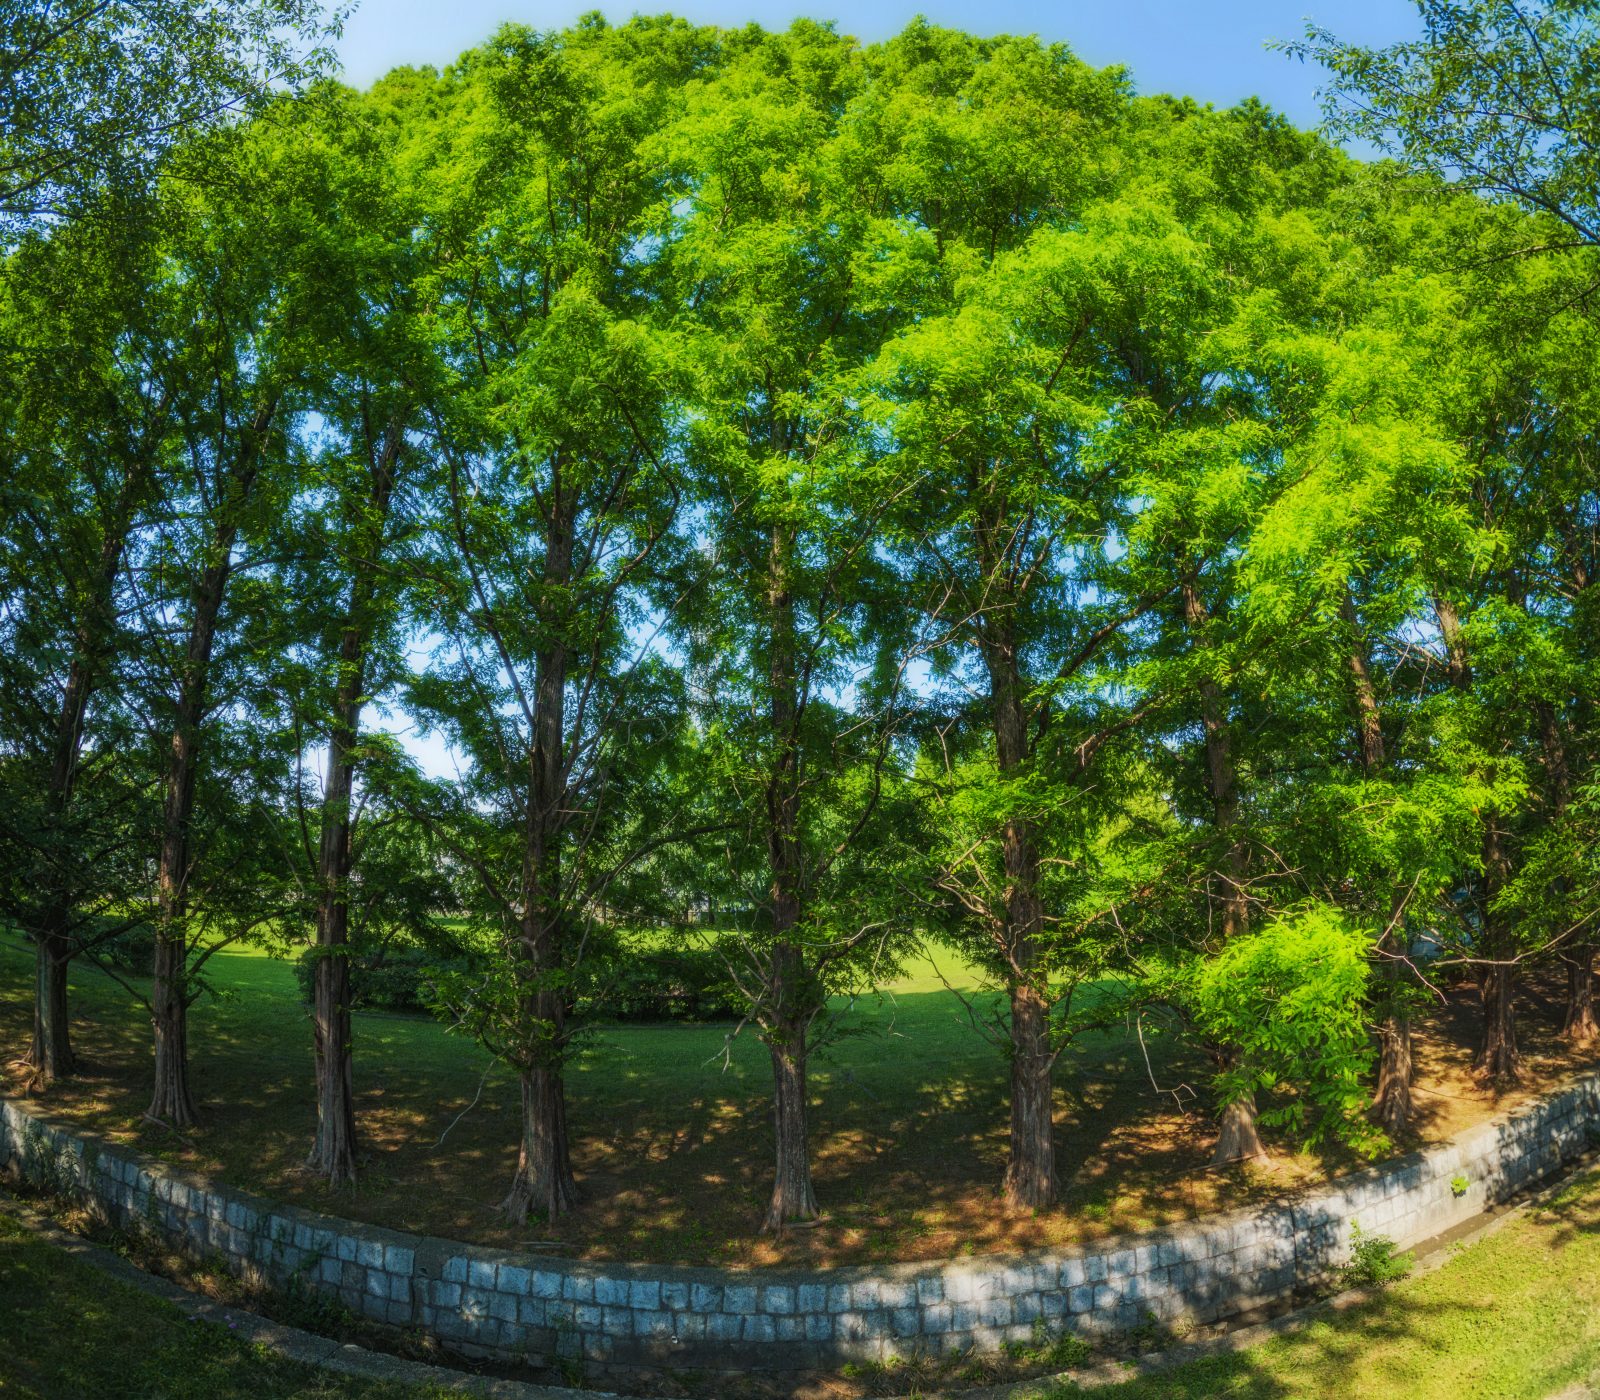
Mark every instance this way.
x=1213 y=50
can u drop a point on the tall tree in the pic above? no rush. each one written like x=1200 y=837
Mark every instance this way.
x=95 y=92
x=558 y=498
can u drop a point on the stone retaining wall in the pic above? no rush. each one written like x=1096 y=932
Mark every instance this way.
x=487 y=1302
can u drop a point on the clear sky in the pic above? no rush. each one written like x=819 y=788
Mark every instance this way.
x=1213 y=50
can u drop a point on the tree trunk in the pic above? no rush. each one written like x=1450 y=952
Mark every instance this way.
x=792 y=1196
x=1391 y=1103
x=544 y=1180
x=1031 y=1167
x=1498 y=1061
x=50 y=1056
x=1238 y=1139
x=333 y=1154
x=790 y=992
x=1581 y=1027
x=1030 y=1177
x=172 y=1102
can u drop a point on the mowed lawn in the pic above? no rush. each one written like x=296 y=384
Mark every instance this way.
x=671 y=1135
x=1513 y=1317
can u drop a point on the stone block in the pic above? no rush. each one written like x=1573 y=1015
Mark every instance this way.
x=611 y=1292
x=705 y=1297
x=739 y=1297
x=644 y=1295
x=545 y=1284
x=777 y=1298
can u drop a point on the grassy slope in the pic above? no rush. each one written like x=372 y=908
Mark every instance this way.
x=1512 y=1317
x=67 y=1332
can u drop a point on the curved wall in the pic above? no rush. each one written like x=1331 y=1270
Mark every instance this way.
x=486 y=1302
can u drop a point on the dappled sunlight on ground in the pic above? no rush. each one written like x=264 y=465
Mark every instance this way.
x=672 y=1147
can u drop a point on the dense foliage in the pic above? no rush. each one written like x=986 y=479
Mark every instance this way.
x=823 y=498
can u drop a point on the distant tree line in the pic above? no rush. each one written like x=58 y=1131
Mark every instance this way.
x=899 y=492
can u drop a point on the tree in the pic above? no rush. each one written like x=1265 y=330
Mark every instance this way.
x=1498 y=94
x=242 y=309
x=87 y=439
x=558 y=495
x=94 y=93
x=797 y=641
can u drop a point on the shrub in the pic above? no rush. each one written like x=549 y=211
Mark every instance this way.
x=132 y=950
x=393 y=977
x=1373 y=1260
x=659 y=984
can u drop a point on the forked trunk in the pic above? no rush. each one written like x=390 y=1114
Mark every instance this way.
x=1498 y=1062
x=1580 y=1027
x=544 y=1181
x=1031 y=1166
x=1391 y=1104
x=793 y=1199
x=171 y=1102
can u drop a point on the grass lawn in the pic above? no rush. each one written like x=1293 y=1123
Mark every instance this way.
x=671 y=1148
x=68 y=1332
x=1512 y=1317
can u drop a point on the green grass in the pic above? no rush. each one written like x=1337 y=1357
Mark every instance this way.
x=69 y=1332
x=1512 y=1316
x=671 y=1139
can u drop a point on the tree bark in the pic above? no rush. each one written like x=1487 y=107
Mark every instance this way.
x=544 y=1179
x=50 y=1055
x=1238 y=1137
x=172 y=1103
x=1031 y=1165
x=1030 y=1176
x=333 y=1153
x=790 y=994
x=1391 y=1103
x=1580 y=1027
